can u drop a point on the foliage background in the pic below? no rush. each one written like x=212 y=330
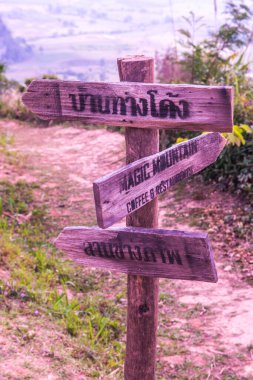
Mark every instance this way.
x=219 y=60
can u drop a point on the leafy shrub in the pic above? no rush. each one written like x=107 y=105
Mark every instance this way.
x=220 y=59
x=234 y=170
x=28 y=81
x=11 y=105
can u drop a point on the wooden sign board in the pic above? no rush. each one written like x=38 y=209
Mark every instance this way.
x=141 y=251
x=131 y=187
x=141 y=105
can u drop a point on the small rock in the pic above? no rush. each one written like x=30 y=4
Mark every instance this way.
x=173 y=360
x=123 y=301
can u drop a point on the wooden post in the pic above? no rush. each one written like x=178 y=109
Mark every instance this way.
x=142 y=291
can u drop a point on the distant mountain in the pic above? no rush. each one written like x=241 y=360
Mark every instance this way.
x=12 y=49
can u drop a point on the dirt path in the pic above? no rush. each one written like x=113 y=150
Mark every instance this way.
x=213 y=322
x=65 y=161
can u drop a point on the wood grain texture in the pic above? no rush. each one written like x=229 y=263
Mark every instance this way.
x=141 y=251
x=134 y=185
x=140 y=105
x=142 y=292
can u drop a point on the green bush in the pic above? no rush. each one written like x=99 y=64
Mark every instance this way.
x=11 y=105
x=233 y=171
x=219 y=60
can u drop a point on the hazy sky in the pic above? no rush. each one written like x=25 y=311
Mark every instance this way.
x=177 y=8
x=141 y=13
x=68 y=36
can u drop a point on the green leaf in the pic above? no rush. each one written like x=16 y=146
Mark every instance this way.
x=246 y=128
x=185 y=33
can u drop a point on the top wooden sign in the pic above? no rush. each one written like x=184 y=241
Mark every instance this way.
x=141 y=105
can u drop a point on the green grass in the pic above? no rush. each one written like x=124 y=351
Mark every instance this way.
x=85 y=304
x=45 y=284
x=6 y=139
x=11 y=156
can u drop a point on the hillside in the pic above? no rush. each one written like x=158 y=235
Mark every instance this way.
x=61 y=321
x=12 y=49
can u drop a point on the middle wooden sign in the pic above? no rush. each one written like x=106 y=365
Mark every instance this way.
x=132 y=186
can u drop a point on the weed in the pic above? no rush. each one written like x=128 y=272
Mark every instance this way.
x=166 y=298
x=230 y=377
x=45 y=284
x=6 y=139
x=63 y=307
x=250 y=347
x=100 y=328
x=196 y=311
x=15 y=198
x=179 y=190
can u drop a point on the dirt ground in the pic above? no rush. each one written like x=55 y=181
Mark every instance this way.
x=65 y=161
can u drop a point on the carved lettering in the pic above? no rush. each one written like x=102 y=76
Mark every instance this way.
x=134 y=178
x=115 y=103
x=159 y=164
x=180 y=176
x=103 y=104
x=120 y=105
x=174 y=256
x=117 y=251
x=149 y=254
x=137 y=202
x=89 y=249
x=175 y=155
x=80 y=106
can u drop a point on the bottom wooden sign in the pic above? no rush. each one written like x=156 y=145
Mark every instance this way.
x=140 y=251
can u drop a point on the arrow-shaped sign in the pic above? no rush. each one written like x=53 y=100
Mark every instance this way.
x=131 y=187
x=141 y=105
x=140 y=251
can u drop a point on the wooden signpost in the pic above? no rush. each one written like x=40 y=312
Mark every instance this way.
x=195 y=108
x=141 y=250
x=134 y=185
x=142 y=291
